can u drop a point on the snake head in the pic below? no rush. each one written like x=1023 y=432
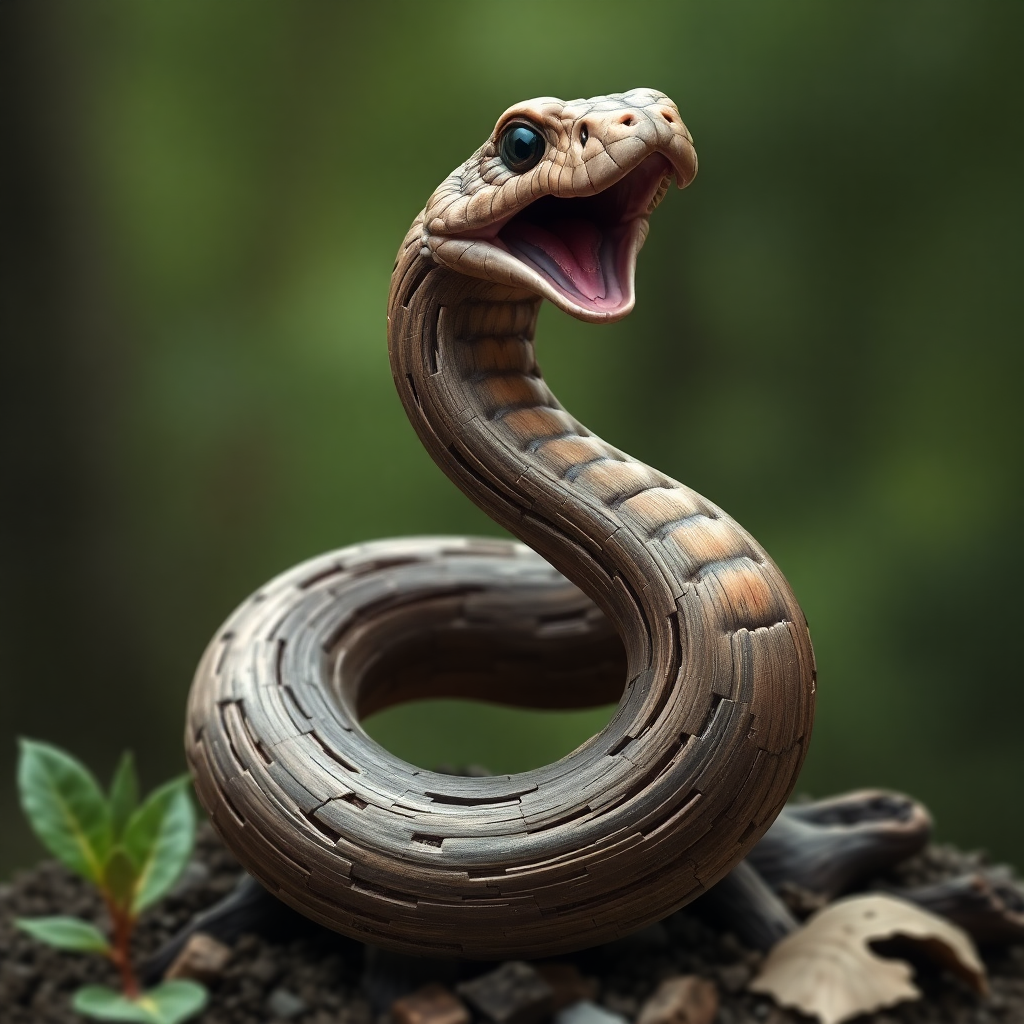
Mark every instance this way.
x=557 y=200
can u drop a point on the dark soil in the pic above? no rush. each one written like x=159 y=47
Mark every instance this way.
x=316 y=977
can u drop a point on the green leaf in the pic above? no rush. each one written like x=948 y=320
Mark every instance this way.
x=65 y=807
x=177 y=1000
x=120 y=876
x=65 y=933
x=124 y=794
x=159 y=838
x=169 y=1003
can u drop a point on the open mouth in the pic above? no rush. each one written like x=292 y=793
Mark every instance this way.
x=585 y=247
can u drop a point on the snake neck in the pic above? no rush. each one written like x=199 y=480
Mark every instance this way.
x=675 y=574
x=463 y=360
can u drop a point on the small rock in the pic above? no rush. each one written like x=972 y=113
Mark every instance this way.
x=568 y=985
x=513 y=994
x=586 y=1012
x=431 y=1004
x=282 y=1003
x=202 y=958
x=684 y=999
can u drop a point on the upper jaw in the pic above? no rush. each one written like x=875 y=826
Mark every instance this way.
x=577 y=251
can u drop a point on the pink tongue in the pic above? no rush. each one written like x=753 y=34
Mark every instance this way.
x=574 y=245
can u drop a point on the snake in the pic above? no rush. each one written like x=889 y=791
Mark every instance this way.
x=622 y=585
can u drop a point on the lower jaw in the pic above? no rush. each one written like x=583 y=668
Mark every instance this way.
x=609 y=297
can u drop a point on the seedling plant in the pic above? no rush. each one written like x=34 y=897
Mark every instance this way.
x=132 y=852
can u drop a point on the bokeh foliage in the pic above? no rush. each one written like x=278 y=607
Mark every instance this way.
x=202 y=205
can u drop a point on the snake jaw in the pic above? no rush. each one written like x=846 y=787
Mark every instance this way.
x=569 y=229
x=585 y=249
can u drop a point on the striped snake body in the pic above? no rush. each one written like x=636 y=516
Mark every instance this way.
x=672 y=609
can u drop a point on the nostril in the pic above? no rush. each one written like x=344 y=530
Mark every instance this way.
x=668 y=117
x=626 y=119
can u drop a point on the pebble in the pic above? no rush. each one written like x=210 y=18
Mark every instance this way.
x=586 y=1012
x=431 y=1004
x=515 y=993
x=684 y=999
x=202 y=958
x=283 y=1003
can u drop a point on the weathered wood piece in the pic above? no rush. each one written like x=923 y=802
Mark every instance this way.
x=831 y=846
x=679 y=614
x=744 y=904
x=987 y=904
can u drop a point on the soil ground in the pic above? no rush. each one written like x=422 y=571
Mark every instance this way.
x=307 y=975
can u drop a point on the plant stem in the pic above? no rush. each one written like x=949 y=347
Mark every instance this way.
x=120 y=954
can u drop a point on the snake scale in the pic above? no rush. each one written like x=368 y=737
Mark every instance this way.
x=629 y=586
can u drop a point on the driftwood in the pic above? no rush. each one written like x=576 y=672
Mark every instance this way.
x=830 y=846
x=987 y=904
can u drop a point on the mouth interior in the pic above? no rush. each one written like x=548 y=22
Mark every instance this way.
x=586 y=246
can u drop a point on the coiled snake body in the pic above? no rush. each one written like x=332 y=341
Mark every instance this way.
x=716 y=680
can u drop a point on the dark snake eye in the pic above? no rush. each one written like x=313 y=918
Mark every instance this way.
x=521 y=147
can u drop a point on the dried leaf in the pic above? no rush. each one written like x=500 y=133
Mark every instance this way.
x=828 y=970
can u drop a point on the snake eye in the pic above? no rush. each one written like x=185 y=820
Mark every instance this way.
x=521 y=147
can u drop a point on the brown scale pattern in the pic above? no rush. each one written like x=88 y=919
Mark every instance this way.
x=672 y=609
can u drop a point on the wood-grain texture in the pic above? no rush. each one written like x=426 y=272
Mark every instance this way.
x=673 y=610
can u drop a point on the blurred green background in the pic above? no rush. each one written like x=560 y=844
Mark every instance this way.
x=201 y=205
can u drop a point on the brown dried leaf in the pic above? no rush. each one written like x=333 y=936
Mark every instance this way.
x=827 y=968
